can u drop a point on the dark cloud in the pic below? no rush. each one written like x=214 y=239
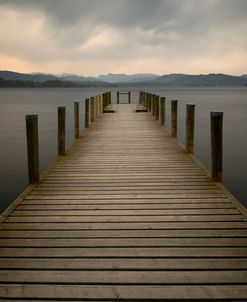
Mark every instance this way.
x=128 y=29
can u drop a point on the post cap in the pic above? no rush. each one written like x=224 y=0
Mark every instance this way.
x=32 y=117
x=216 y=113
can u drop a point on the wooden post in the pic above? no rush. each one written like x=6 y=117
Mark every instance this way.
x=101 y=104
x=162 y=111
x=129 y=95
x=86 y=113
x=109 y=97
x=76 y=120
x=92 y=109
x=190 y=125
x=98 y=106
x=217 y=145
x=145 y=97
x=61 y=130
x=103 y=101
x=106 y=99
x=157 y=102
x=149 y=102
x=174 y=116
x=153 y=103
x=117 y=97
x=32 y=148
x=95 y=108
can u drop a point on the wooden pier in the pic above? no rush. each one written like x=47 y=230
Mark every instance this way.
x=125 y=215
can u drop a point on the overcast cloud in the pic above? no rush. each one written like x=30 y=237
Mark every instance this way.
x=90 y=37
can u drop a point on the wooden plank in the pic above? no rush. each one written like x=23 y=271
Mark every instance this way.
x=115 y=206
x=128 y=201
x=164 y=225
x=131 y=293
x=126 y=219
x=123 y=233
x=133 y=212
x=115 y=264
x=122 y=252
x=124 y=242
x=123 y=277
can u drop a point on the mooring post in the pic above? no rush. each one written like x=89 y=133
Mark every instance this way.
x=103 y=101
x=61 y=121
x=162 y=111
x=98 y=106
x=95 y=108
x=76 y=120
x=174 y=116
x=101 y=104
x=117 y=97
x=157 y=101
x=129 y=97
x=32 y=148
x=92 y=109
x=190 y=126
x=86 y=113
x=149 y=102
x=109 y=97
x=216 y=119
x=152 y=104
x=106 y=99
x=145 y=100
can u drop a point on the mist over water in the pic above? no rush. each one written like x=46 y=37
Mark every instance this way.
x=17 y=102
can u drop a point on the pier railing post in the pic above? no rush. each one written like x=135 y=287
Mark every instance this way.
x=92 y=109
x=98 y=106
x=162 y=111
x=149 y=102
x=190 y=126
x=146 y=100
x=76 y=120
x=117 y=97
x=61 y=130
x=157 y=103
x=216 y=119
x=103 y=101
x=174 y=117
x=129 y=97
x=86 y=113
x=101 y=104
x=109 y=97
x=152 y=103
x=32 y=148
x=95 y=107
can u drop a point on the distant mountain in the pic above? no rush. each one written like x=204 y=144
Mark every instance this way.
x=211 y=80
x=127 y=78
x=35 y=77
x=76 y=78
x=15 y=79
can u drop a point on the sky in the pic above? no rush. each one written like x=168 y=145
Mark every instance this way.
x=92 y=37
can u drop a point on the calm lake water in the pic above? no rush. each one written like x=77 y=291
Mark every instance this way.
x=17 y=102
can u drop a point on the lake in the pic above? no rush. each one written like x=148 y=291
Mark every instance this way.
x=15 y=103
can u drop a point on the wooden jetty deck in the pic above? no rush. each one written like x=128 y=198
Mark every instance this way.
x=127 y=215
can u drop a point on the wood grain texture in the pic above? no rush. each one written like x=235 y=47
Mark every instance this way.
x=126 y=215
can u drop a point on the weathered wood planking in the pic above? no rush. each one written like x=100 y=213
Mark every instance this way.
x=126 y=215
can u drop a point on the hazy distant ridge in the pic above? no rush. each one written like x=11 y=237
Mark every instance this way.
x=212 y=79
x=15 y=79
